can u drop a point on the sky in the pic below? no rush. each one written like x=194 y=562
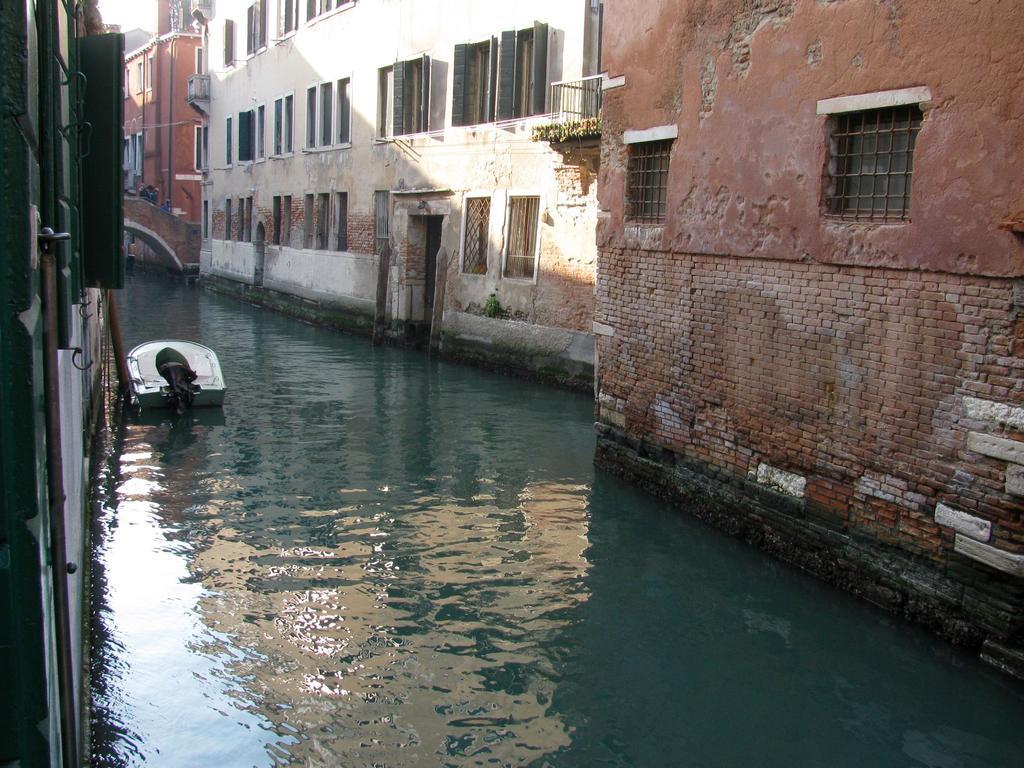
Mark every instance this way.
x=129 y=13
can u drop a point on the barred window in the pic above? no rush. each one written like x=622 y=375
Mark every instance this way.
x=521 y=251
x=871 y=158
x=647 y=181
x=474 y=246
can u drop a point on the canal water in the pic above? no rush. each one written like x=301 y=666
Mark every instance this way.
x=374 y=559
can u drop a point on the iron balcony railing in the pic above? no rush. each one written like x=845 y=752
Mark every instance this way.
x=577 y=99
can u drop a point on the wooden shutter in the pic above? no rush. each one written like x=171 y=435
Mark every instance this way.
x=424 y=115
x=245 y=135
x=507 y=76
x=492 y=80
x=459 y=82
x=540 y=68
x=398 y=120
x=229 y=42
x=250 y=27
x=102 y=57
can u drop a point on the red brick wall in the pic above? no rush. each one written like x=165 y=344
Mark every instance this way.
x=852 y=377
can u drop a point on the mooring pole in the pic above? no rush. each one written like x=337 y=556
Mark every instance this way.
x=118 y=342
x=440 y=282
x=383 y=271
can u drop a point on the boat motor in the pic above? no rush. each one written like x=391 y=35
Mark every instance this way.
x=174 y=367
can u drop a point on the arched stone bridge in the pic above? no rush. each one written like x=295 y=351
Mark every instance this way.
x=175 y=242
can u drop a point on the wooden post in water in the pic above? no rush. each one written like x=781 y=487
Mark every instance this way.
x=440 y=281
x=118 y=343
x=383 y=271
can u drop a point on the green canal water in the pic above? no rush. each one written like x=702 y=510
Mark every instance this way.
x=374 y=559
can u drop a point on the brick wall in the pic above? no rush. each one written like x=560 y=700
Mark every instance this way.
x=360 y=232
x=853 y=378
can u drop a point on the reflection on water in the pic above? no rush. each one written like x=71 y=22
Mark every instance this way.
x=372 y=559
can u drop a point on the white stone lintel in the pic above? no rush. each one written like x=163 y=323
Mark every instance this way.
x=612 y=82
x=962 y=522
x=1015 y=479
x=994 y=413
x=789 y=483
x=1007 y=562
x=996 y=447
x=875 y=100
x=658 y=133
x=603 y=330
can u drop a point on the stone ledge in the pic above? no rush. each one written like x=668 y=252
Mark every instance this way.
x=1007 y=562
x=960 y=521
x=993 y=412
x=1015 y=479
x=780 y=480
x=996 y=447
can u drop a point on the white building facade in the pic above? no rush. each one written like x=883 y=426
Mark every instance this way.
x=337 y=128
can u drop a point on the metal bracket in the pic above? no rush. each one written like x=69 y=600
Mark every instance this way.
x=47 y=237
x=77 y=352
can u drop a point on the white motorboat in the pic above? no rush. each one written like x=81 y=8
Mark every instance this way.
x=175 y=374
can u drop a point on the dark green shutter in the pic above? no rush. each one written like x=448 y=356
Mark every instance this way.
x=245 y=136
x=492 y=80
x=398 y=98
x=459 y=94
x=102 y=63
x=425 y=95
x=540 y=68
x=507 y=76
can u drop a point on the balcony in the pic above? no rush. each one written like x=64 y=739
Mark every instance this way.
x=202 y=10
x=573 y=100
x=198 y=95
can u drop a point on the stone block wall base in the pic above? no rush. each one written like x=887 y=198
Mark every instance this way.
x=341 y=317
x=959 y=605
x=1004 y=658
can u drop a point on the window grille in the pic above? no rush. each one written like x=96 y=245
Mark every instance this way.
x=647 y=181
x=871 y=163
x=381 y=221
x=474 y=246
x=520 y=254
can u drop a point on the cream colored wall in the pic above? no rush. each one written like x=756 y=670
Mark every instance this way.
x=355 y=42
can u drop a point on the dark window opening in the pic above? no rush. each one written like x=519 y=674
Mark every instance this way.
x=277 y=220
x=647 y=181
x=344 y=120
x=323 y=213
x=340 y=221
x=475 y=237
x=520 y=254
x=871 y=162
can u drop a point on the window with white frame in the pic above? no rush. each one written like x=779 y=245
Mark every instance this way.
x=289 y=123
x=385 y=95
x=343 y=104
x=523 y=235
x=475 y=235
x=199 y=61
x=289 y=16
x=410 y=96
x=149 y=73
x=311 y=117
x=261 y=132
x=316 y=8
x=326 y=114
x=256 y=27
x=278 y=126
x=227 y=140
x=139 y=77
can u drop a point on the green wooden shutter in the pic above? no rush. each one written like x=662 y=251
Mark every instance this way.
x=424 y=115
x=492 y=80
x=459 y=79
x=540 y=68
x=398 y=99
x=245 y=136
x=102 y=62
x=507 y=76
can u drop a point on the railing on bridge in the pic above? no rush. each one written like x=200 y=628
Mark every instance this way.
x=577 y=99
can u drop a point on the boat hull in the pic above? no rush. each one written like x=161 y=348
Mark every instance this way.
x=151 y=391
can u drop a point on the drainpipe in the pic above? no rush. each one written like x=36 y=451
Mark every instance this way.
x=61 y=568
x=171 y=129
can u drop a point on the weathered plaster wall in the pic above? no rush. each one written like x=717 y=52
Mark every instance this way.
x=448 y=162
x=741 y=78
x=844 y=395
